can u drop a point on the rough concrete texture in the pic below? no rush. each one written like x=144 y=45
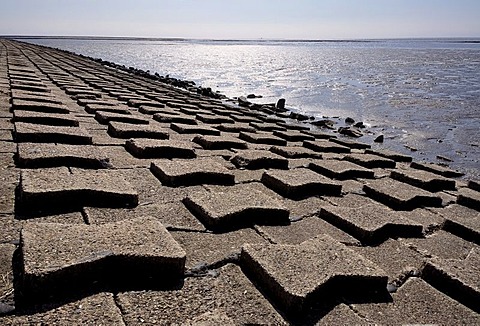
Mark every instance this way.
x=226 y=289
x=408 y=307
x=295 y=152
x=38 y=106
x=259 y=159
x=41 y=118
x=217 y=248
x=98 y=309
x=462 y=221
x=191 y=172
x=262 y=138
x=236 y=206
x=105 y=117
x=423 y=179
x=58 y=255
x=325 y=146
x=437 y=169
x=50 y=87
x=397 y=157
x=128 y=130
x=341 y=170
x=469 y=197
x=34 y=133
x=371 y=161
x=317 y=269
x=58 y=188
x=371 y=224
x=399 y=195
x=457 y=278
x=31 y=155
x=219 y=142
x=194 y=129
x=300 y=183
x=152 y=148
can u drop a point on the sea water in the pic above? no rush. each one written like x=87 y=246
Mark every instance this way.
x=420 y=93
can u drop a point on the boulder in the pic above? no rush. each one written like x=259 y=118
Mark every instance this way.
x=350 y=131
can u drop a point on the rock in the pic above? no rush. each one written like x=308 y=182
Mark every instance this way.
x=379 y=139
x=298 y=116
x=280 y=104
x=350 y=131
x=360 y=125
x=325 y=123
x=254 y=96
x=242 y=101
x=349 y=120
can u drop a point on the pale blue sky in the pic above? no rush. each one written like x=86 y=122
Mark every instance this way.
x=300 y=19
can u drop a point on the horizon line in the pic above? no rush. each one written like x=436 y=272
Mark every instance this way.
x=149 y=38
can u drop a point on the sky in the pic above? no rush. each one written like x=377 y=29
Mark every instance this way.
x=243 y=19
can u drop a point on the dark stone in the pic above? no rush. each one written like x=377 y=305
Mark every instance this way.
x=379 y=139
x=349 y=120
x=280 y=104
x=350 y=131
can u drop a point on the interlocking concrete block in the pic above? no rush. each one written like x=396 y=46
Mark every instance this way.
x=194 y=129
x=474 y=184
x=172 y=215
x=227 y=208
x=128 y=130
x=325 y=146
x=371 y=224
x=37 y=106
x=58 y=188
x=54 y=119
x=304 y=229
x=434 y=245
x=59 y=258
x=395 y=258
x=219 y=142
x=300 y=183
x=423 y=179
x=399 y=195
x=457 y=278
x=462 y=221
x=93 y=108
x=469 y=197
x=174 y=118
x=371 y=161
x=262 y=138
x=416 y=302
x=32 y=155
x=33 y=133
x=437 y=169
x=191 y=172
x=397 y=157
x=153 y=110
x=106 y=117
x=230 y=291
x=236 y=127
x=341 y=170
x=295 y=152
x=258 y=159
x=296 y=276
x=138 y=103
x=293 y=136
x=213 y=119
x=152 y=148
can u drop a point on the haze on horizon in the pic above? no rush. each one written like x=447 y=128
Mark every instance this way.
x=243 y=19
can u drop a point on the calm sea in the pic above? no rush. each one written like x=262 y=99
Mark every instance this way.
x=423 y=93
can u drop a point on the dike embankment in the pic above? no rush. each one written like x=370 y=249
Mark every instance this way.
x=127 y=199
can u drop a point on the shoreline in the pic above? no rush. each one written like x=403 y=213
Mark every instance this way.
x=409 y=142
